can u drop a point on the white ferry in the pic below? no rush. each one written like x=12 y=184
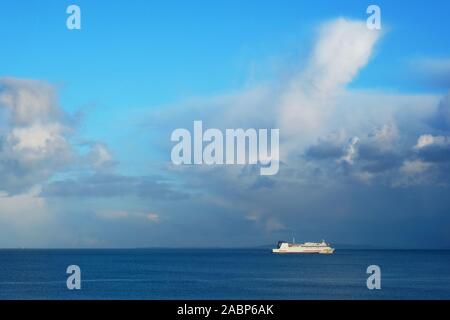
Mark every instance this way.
x=307 y=247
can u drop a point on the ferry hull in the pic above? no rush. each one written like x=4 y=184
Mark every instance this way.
x=302 y=252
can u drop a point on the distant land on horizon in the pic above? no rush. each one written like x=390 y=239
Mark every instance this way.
x=266 y=246
x=346 y=246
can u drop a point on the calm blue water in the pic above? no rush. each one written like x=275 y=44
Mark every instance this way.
x=223 y=274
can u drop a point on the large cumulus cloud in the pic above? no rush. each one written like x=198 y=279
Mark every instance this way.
x=34 y=134
x=324 y=126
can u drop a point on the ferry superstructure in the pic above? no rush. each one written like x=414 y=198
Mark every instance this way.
x=307 y=247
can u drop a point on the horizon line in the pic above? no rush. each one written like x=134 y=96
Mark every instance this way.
x=262 y=247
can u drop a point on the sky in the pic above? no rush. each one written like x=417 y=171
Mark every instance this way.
x=86 y=118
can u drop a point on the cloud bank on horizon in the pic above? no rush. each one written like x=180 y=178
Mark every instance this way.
x=358 y=166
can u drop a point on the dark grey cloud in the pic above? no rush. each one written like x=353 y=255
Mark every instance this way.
x=374 y=160
x=441 y=119
x=324 y=150
x=114 y=185
x=263 y=182
x=333 y=206
x=434 y=153
x=367 y=156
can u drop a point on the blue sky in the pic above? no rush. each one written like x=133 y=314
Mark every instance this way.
x=138 y=69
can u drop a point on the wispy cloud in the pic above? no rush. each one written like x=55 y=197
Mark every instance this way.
x=433 y=71
x=128 y=214
x=114 y=185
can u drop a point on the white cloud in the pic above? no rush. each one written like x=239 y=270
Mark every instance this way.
x=127 y=214
x=343 y=48
x=39 y=142
x=427 y=140
x=35 y=136
x=414 y=166
x=350 y=151
x=30 y=101
x=385 y=137
x=413 y=173
x=100 y=157
x=154 y=217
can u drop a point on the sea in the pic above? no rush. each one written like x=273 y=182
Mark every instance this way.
x=223 y=274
